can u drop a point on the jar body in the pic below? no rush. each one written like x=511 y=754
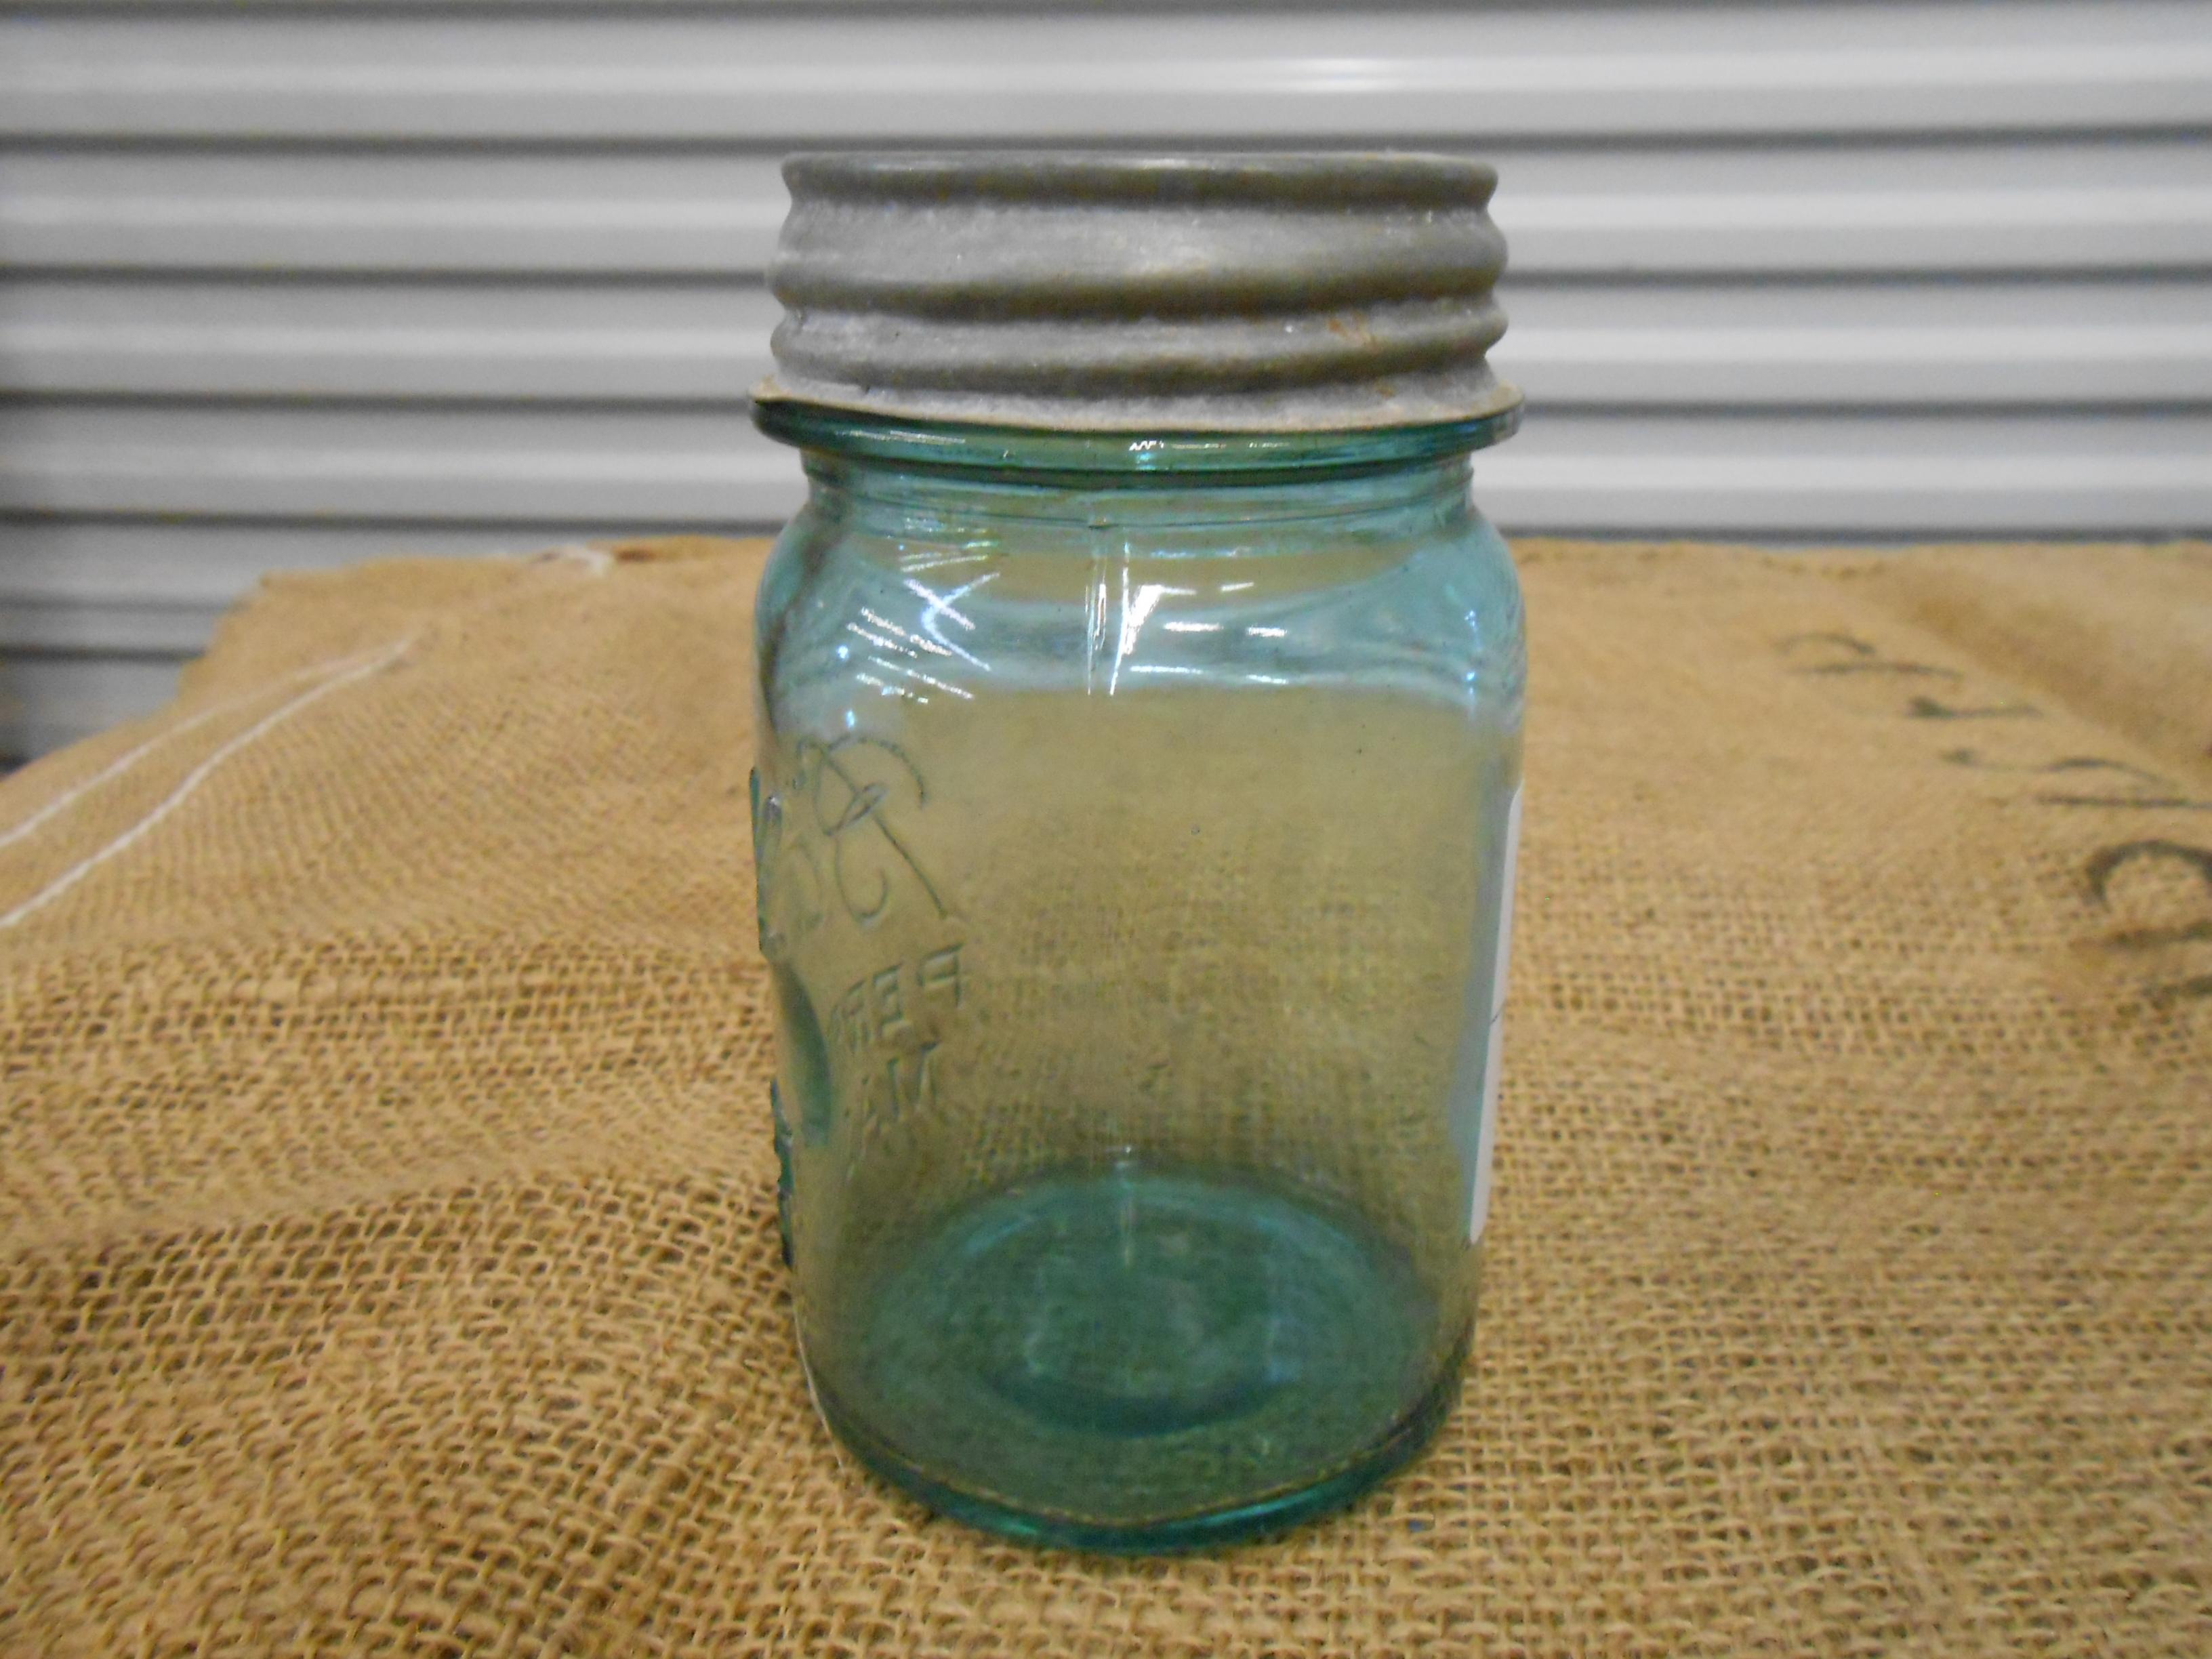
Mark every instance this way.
x=1131 y=851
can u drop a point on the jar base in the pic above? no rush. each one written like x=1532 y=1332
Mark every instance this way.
x=1138 y=1361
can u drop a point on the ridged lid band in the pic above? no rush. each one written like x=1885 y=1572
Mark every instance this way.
x=1088 y=293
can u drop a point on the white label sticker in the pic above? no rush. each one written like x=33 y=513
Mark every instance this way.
x=1494 y=1052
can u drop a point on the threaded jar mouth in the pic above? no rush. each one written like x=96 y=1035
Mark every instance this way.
x=1126 y=460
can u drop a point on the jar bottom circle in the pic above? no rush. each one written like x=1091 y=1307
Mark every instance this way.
x=1140 y=1359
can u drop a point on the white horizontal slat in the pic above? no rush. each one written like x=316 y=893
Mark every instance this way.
x=2125 y=63
x=647 y=467
x=1816 y=363
x=1961 y=343
x=312 y=210
x=2096 y=208
x=2134 y=473
x=607 y=342
x=2077 y=341
x=2046 y=204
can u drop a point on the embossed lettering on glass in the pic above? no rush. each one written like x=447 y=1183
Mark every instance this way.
x=1138 y=773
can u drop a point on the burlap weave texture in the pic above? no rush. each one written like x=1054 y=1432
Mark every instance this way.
x=387 y=1249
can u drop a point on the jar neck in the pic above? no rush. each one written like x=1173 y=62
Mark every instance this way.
x=876 y=468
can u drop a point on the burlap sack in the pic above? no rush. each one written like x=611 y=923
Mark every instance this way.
x=387 y=1252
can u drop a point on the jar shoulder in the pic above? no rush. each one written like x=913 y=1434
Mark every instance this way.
x=849 y=614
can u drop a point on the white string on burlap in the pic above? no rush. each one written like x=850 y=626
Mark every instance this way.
x=344 y=672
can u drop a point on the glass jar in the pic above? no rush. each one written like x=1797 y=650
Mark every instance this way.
x=1134 y=818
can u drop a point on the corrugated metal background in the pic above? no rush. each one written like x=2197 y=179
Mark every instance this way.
x=290 y=285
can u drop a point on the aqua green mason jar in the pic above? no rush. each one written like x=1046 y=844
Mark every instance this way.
x=1139 y=766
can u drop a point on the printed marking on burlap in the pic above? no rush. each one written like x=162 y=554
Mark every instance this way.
x=2066 y=782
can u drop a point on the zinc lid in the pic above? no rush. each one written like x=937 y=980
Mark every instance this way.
x=1205 y=293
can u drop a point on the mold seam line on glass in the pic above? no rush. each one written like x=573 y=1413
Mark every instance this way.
x=814 y=1397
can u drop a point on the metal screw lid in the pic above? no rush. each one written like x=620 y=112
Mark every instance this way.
x=1071 y=292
